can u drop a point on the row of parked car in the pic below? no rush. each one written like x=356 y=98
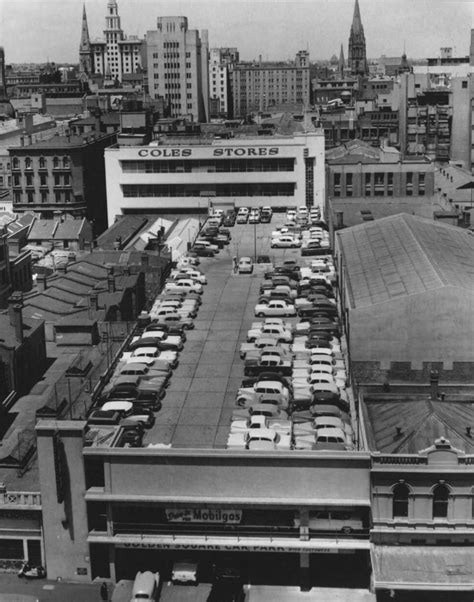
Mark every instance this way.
x=138 y=383
x=212 y=237
x=295 y=393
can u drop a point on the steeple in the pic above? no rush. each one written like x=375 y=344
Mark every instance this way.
x=85 y=55
x=342 y=62
x=356 y=20
x=357 y=51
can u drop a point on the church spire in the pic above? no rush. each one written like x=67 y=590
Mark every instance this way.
x=356 y=20
x=342 y=62
x=357 y=51
x=85 y=55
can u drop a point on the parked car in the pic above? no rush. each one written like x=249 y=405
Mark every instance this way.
x=185 y=572
x=285 y=241
x=184 y=284
x=245 y=265
x=145 y=586
x=275 y=308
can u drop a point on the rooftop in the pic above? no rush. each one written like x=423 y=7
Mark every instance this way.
x=404 y=255
x=409 y=424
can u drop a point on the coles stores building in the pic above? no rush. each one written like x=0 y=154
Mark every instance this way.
x=191 y=173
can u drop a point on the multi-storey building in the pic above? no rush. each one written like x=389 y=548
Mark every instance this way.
x=220 y=63
x=188 y=172
x=63 y=175
x=177 y=59
x=114 y=55
x=261 y=86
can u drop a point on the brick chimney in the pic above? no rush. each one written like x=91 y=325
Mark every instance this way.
x=42 y=282
x=18 y=322
x=94 y=301
x=16 y=298
x=61 y=268
x=434 y=384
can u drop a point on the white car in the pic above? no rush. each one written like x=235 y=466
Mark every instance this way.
x=186 y=261
x=265 y=389
x=183 y=285
x=272 y=330
x=202 y=242
x=280 y=231
x=245 y=265
x=258 y=421
x=291 y=215
x=276 y=307
x=260 y=439
x=189 y=273
x=285 y=241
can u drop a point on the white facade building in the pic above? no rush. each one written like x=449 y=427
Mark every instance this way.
x=177 y=60
x=190 y=174
x=220 y=63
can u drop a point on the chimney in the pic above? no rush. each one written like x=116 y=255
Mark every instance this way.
x=71 y=257
x=468 y=431
x=111 y=283
x=434 y=382
x=145 y=259
x=94 y=301
x=16 y=298
x=18 y=318
x=339 y=219
x=42 y=282
x=61 y=268
x=399 y=431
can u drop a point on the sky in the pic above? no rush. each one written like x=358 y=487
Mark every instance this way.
x=41 y=30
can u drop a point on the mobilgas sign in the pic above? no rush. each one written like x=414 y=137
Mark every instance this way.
x=239 y=151
x=200 y=515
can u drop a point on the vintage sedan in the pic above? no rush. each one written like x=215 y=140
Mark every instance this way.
x=276 y=307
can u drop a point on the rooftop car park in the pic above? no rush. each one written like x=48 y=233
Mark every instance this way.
x=207 y=354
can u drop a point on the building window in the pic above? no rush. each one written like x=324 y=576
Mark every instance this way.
x=440 y=501
x=15 y=163
x=30 y=196
x=42 y=162
x=28 y=164
x=29 y=180
x=55 y=162
x=400 y=501
x=464 y=84
x=57 y=196
x=57 y=180
x=44 y=197
x=65 y=161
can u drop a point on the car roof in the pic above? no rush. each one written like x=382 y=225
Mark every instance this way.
x=113 y=406
x=270 y=383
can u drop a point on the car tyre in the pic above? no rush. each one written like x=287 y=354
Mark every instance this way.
x=260 y=315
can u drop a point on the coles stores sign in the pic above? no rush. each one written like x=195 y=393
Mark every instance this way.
x=239 y=151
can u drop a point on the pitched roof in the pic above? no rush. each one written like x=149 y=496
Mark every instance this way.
x=404 y=255
x=43 y=229
x=421 y=421
x=69 y=229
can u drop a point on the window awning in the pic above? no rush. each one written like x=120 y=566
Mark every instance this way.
x=435 y=568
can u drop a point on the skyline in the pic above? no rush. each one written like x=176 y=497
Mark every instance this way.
x=317 y=25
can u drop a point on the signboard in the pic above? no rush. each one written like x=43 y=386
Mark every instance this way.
x=203 y=515
x=239 y=151
x=221 y=547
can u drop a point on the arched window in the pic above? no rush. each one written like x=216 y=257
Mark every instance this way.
x=65 y=161
x=27 y=163
x=400 y=500
x=55 y=162
x=15 y=163
x=440 y=501
x=42 y=162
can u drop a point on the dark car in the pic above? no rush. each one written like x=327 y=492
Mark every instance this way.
x=104 y=417
x=132 y=433
x=174 y=327
x=229 y=220
x=326 y=397
x=266 y=217
x=227 y=586
x=202 y=251
x=263 y=259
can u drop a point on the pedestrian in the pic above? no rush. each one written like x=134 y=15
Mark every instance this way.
x=104 y=592
x=236 y=265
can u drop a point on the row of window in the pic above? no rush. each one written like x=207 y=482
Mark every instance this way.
x=59 y=180
x=401 y=501
x=237 y=165
x=43 y=197
x=57 y=162
x=196 y=190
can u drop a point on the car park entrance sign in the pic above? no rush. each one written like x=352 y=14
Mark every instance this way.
x=200 y=515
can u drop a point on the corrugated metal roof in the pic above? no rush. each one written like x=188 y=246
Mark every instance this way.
x=405 y=255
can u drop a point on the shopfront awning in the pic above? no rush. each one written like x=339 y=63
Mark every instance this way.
x=435 y=568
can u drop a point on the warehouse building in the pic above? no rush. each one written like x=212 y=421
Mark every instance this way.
x=407 y=294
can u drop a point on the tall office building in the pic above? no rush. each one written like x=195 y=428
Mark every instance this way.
x=357 y=51
x=220 y=64
x=115 y=54
x=177 y=59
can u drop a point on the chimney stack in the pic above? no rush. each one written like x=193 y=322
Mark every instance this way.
x=18 y=318
x=111 y=283
x=61 y=268
x=94 y=301
x=434 y=383
x=42 y=282
x=16 y=298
